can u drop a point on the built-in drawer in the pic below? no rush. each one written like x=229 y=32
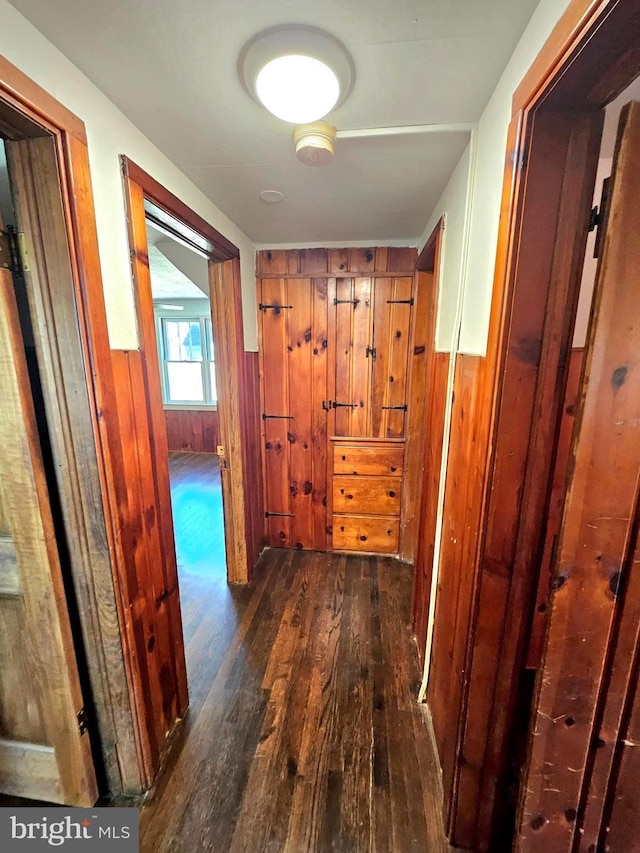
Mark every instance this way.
x=368 y=459
x=375 y=533
x=367 y=495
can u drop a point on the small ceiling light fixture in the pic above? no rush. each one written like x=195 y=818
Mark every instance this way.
x=315 y=143
x=298 y=73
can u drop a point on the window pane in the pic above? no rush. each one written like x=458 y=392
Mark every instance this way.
x=183 y=340
x=212 y=374
x=185 y=382
x=207 y=324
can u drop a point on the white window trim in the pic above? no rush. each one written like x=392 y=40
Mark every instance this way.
x=185 y=405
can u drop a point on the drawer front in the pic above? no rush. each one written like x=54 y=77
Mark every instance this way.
x=367 y=495
x=380 y=534
x=351 y=459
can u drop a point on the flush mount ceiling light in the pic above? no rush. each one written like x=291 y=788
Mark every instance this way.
x=298 y=73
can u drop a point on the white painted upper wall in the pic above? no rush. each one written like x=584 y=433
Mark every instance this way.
x=486 y=193
x=110 y=134
x=452 y=204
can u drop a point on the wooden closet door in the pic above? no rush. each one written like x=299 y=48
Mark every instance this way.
x=44 y=752
x=351 y=356
x=392 y=307
x=293 y=328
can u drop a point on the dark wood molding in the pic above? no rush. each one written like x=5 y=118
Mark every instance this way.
x=428 y=254
x=22 y=93
x=28 y=112
x=589 y=58
x=219 y=247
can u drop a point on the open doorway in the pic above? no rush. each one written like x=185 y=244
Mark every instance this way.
x=186 y=359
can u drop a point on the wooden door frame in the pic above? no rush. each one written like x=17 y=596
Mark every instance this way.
x=552 y=153
x=28 y=111
x=226 y=311
x=418 y=441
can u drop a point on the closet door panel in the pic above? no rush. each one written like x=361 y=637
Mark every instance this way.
x=360 y=362
x=275 y=401
x=319 y=435
x=381 y=366
x=398 y=358
x=299 y=429
x=343 y=354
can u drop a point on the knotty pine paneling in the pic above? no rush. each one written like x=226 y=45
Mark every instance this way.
x=195 y=431
x=437 y=383
x=252 y=458
x=294 y=426
x=152 y=586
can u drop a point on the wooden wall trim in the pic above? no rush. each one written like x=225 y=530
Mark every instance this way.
x=222 y=248
x=592 y=37
x=578 y=21
x=36 y=113
x=37 y=103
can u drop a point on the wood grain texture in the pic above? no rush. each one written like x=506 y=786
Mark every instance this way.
x=319 y=742
x=50 y=290
x=21 y=93
x=143 y=422
x=367 y=495
x=597 y=544
x=377 y=534
x=40 y=614
x=192 y=431
x=365 y=460
x=433 y=439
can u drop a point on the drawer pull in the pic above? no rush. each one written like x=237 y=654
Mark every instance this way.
x=392 y=494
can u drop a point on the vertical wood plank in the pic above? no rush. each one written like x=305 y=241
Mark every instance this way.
x=399 y=356
x=320 y=417
x=276 y=402
x=360 y=368
x=343 y=353
x=598 y=524
x=381 y=365
x=300 y=391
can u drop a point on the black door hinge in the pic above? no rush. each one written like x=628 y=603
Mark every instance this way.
x=277 y=417
x=279 y=515
x=396 y=408
x=353 y=302
x=371 y=351
x=344 y=405
x=400 y=301
x=263 y=307
x=83 y=720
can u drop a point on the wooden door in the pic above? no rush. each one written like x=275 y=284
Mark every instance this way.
x=392 y=305
x=293 y=330
x=581 y=789
x=45 y=752
x=371 y=322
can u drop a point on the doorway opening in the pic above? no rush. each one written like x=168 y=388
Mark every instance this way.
x=186 y=358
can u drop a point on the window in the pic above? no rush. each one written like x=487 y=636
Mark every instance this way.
x=188 y=367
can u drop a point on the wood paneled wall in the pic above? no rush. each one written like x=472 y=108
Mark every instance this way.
x=153 y=616
x=432 y=446
x=314 y=349
x=252 y=457
x=192 y=430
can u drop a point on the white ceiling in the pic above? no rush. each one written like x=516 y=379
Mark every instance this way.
x=176 y=271
x=170 y=65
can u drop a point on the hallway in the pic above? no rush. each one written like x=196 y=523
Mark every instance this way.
x=303 y=732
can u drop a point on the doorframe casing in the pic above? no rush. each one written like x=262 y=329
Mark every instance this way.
x=581 y=68
x=27 y=110
x=226 y=309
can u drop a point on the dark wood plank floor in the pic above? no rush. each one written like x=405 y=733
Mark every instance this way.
x=303 y=733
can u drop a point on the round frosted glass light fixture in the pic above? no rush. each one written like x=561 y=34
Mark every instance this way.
x=296 y=72
x=297 y=88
